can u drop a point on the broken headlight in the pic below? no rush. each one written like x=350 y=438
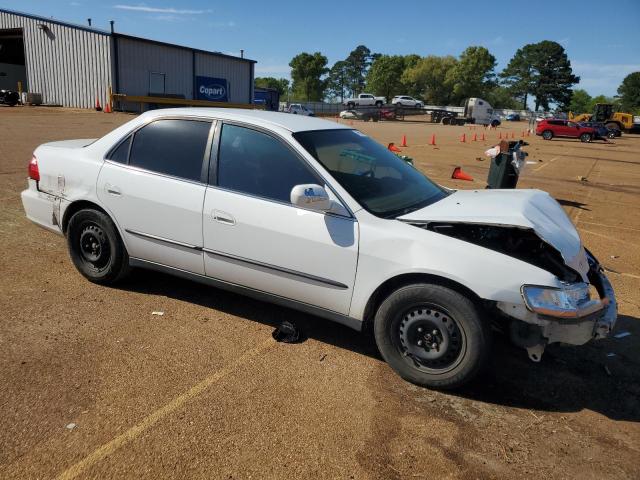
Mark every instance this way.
x=570 y=301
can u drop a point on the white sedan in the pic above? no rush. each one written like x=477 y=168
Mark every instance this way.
x=406 y=101
x=317 y=216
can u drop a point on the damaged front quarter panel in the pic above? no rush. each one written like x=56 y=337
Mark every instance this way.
x=529 y=329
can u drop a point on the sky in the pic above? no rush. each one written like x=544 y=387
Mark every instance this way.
x=600 y=37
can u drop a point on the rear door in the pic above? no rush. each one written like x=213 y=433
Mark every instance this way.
x=153 y=185
x=255 y=237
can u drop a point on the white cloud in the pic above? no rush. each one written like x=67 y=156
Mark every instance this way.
x=229 y=24
x=169 y=10
x=282 y=70
x=602 y=78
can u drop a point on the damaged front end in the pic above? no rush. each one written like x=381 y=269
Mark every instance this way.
x=584 y=308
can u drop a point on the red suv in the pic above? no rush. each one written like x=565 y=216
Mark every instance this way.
x=553 y=127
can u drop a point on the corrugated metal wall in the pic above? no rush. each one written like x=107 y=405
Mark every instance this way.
x=137 y=59
x=238 y=74
x=68 y=65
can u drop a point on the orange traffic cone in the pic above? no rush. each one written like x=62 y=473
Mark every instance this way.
x=392 y=147
x=522 y=136
x=459 y=174
x=475 y=137
x=98 y=107
x=404 y=141
x=482 y=137
x=107 y=108
x=433 y=139
x=463 y=138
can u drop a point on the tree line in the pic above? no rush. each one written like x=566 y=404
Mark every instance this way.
x=540 y=71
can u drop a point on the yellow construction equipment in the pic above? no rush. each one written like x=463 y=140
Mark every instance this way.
x=604 y=113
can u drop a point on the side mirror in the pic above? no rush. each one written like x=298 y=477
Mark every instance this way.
x=311 y=196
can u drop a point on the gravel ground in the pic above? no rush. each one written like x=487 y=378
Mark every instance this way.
x=95 y=386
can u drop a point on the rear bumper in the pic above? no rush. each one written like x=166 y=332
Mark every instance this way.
x=41 y=208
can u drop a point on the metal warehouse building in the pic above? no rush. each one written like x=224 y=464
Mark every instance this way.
x=71 y=65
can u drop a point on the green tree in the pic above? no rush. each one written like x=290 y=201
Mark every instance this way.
x=629 y=92
x=473 y=75
x=385 y=76
x=501 y=97
x=358 y=63
x=544 y=71
x=337 y=81
x=279 y=84
x=307 y=70
x=428 y=79
x=580 y=102
x=518 y=75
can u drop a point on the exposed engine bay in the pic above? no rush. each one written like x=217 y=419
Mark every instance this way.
x=521 y=243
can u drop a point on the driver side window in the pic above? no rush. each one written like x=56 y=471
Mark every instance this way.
x=258 y=164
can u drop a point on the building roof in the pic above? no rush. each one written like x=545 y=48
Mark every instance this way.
x=100 y=31
x=288 y=121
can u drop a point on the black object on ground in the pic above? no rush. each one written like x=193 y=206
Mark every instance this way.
x=287 y=332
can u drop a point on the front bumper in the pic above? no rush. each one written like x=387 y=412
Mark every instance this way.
x=534 y=331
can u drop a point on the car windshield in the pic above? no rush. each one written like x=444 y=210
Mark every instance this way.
x=379 y=180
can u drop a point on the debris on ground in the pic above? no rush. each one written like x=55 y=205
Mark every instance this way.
x=287 y=332
x=622 y=334
x=70 y=426
x=583 y=179
x=157 y=313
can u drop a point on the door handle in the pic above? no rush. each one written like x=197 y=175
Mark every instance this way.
x=223 y=217
x=113 y=190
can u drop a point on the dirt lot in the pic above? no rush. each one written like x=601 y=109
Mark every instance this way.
x=204 y=391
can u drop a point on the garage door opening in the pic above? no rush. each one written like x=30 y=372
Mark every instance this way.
x=12 y=63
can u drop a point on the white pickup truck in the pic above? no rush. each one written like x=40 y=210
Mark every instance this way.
x=364 y=100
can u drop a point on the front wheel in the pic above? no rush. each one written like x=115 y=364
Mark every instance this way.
x=585 y=137
x=547 y=134
x=95 y=247
x=432 y=336
x=351 y=105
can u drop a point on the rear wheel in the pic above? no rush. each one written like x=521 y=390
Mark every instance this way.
x=547 y=134
x=95 y=247
x=432 y=336
x=378 y=104
x=351 y=105
x=585 y=137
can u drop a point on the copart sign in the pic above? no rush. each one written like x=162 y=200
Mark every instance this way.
x=212 y=89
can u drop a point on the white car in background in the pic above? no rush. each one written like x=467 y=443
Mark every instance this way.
x=406 y=101
x=299 y=109
x=319 y=217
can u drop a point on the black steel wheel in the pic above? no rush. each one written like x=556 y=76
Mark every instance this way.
x=432 y=335
x=95 y=247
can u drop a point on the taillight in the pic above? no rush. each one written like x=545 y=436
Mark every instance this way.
x=34 y=173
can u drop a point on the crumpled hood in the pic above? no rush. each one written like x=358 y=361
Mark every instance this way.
x=532 y=209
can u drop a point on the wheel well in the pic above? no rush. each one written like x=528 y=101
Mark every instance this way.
x=76 y=207
x=389 y=286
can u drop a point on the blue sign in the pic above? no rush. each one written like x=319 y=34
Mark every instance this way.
x=212 y=89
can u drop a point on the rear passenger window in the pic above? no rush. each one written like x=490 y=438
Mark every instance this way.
x=256 y=163
x=121 y=153
x=171 y=147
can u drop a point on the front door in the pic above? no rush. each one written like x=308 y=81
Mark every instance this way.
x=153 y=186
x=255 y=237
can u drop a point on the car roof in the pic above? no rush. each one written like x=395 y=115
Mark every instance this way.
x=293 y=123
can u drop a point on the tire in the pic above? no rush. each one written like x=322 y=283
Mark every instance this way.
x=495 y=123
x=351 y=105
x=96 y=248
x=378 y=104
x=547 y=134
x=611 y=134
x=451 y=321
x=446 y=120
x=585 y=137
